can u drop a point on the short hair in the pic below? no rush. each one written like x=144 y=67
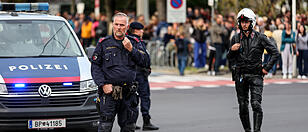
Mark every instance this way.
x=120 y=14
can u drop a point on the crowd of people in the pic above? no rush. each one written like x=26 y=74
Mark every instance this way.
x=208 y=42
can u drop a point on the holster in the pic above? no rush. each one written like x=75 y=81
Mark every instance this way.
x=126 y=90
x=97 y=104
x=132 y=89
x=117 y=92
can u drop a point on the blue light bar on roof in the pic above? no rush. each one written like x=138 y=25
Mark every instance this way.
x=24 y=6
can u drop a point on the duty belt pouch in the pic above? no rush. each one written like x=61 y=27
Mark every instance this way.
x=132 y=89
x=117 y=92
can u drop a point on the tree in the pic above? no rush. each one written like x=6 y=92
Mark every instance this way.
x=161 y=8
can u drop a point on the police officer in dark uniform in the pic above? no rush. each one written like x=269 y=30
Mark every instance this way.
x=113 y=69
x=136 y=30
x=245 y=55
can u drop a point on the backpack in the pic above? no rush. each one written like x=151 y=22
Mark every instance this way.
x=101 y=29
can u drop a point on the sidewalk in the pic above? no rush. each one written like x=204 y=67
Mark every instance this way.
x=162 y=78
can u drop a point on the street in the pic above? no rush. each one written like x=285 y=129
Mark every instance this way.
x=215 y=109
x=200 y=103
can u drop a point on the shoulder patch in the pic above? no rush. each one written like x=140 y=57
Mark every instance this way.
x=95 y=56
x=136 y=39
x=132 y=37
x=103 y=38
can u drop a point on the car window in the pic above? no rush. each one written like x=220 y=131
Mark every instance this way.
x=37 y=38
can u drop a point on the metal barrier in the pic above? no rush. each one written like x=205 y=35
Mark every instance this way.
x=160 y=56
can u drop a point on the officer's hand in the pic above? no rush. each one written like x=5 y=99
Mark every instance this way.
x=127 y=44
x=107 y=88
x=235 y=47
x=264 y=72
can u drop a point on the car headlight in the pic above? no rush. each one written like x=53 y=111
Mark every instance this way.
x=3 y=89
x=88 y=85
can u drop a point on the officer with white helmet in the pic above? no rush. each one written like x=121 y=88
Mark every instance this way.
x=245 y=56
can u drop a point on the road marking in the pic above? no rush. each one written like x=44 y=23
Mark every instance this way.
x=302 y=81
x=210 y=86
x=158 y=88
x=284 y=82
x=183 y=87
x=230 y=85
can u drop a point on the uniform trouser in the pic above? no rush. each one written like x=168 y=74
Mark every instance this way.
x=144 y=93
x=125 y=109
x=254 y=84
x=199 y=54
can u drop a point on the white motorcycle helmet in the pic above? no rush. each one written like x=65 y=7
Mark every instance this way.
x=247 y=15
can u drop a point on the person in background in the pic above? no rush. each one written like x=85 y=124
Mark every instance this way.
x=277 y=36
x=287 y=51
x=94 y=27
x=86 y=32
x=269 y=35
x=200 y=46
x=182 y=49
x=302 y=48
x=217 y=33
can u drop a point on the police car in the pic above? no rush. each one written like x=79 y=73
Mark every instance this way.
x=45 y=77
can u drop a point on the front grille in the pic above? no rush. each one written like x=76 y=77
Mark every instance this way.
x=61 y=96
x=52 y=101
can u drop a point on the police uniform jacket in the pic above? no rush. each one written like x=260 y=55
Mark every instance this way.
x=248 y=59
x=113 y=64
x=144 y=50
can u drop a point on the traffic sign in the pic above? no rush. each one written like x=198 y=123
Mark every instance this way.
x=176 y=3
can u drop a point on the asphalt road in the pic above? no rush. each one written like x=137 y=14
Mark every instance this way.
x=215 y=109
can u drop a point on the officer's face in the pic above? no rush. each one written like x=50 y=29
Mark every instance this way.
x=119 y=26
x=245 y=25
x=138 y=32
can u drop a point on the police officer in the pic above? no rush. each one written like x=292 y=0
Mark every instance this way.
x=245 y=55
x=114 y=71
x=136 y=30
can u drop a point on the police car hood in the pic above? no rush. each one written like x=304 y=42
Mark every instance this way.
x=44 y=70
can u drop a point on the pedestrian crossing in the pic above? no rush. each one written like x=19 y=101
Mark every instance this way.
x=164 y=82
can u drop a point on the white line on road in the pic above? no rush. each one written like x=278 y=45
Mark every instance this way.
x=302 y=81
x=209 y=86
x=282 y=82
x=183 y=87
x=158 y=88
x=230 y=85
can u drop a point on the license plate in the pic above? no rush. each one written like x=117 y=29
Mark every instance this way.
x=46 y=123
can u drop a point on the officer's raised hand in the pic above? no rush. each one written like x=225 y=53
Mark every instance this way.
x=235 y=47
x=127 y=44
x=107 y=88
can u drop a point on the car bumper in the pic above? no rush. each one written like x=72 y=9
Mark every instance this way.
x=82 y=116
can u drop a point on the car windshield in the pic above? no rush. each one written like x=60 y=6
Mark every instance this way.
x=35 y=38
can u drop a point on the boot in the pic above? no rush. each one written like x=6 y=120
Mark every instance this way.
x=147 y=125
x=245 y=122
x=257 y=121
x=137 y=127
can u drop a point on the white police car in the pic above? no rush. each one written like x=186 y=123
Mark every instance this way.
x=45 y=78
